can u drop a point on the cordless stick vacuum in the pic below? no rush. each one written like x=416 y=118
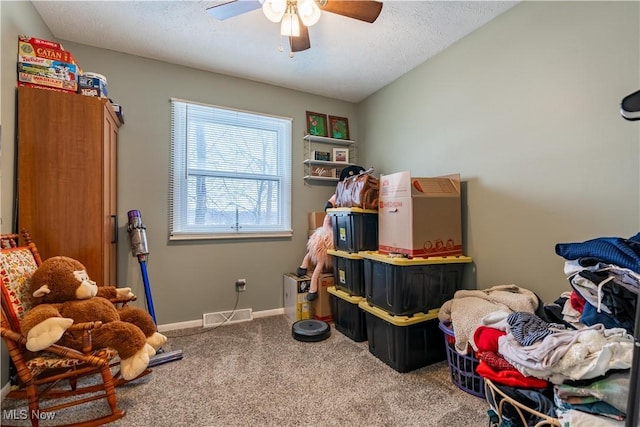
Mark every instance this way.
x=139 y=249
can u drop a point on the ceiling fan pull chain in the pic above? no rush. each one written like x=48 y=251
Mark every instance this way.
x=281 y=47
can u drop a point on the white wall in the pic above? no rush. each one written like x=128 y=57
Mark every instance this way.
x=527 y=109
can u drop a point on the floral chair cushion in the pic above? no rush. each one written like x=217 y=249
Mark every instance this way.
x=45 y=361
x=16 y=267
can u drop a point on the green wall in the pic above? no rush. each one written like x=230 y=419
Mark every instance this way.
x=527 y=109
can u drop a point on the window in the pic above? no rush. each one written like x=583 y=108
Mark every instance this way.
x=230 y=173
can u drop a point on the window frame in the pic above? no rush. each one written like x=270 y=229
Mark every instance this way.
x=179 y=174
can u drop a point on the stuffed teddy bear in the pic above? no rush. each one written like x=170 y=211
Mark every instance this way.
x=62 y=294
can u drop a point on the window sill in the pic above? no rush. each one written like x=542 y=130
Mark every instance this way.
x=230 y=236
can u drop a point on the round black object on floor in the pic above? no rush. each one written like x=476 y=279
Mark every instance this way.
x=311 y=330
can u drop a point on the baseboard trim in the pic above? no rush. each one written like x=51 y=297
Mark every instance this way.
x=267 y=313
x=198 y=323
x=180 y=325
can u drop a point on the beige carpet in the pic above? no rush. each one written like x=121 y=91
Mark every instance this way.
x=256 y=374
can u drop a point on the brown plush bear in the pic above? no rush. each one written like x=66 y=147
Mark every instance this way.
x=62 y=294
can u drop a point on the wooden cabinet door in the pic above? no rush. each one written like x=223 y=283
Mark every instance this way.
x=66 y=185
x=110 y=199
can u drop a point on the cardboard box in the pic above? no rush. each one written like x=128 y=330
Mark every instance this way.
x=35 y=50
x=49 y=68
x=36 y=86
x=47 y=81
x=34 y=60
x=420 y=217
x=316 y=219
x=296 y=307
x=117 y=108
x=90 y=92
x=321 y=307
x=34 y=41
x=87 y=82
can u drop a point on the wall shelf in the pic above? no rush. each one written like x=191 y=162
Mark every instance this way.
x=327 y=140
x=331 y=168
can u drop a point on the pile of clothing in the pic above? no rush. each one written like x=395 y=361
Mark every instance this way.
x=571 y=359
x=605 y=280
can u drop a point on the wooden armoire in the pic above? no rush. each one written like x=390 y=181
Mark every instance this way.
x=67 y=177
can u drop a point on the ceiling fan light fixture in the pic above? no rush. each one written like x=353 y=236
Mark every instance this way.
x=274 y=9
x=309 y=12
x=290 y=25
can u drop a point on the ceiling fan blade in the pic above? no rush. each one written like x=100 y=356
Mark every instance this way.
x=301 y=42
x=364 y=10
x=233 y=8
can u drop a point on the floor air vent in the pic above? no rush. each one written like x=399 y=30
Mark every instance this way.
x=226 y=317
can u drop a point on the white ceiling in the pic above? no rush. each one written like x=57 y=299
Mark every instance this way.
x=348 y=59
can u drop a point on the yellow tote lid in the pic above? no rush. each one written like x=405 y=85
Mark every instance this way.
x=344 y=254
x=377 y=256
x=343 y=295
x=399 y=320
x=351 y=210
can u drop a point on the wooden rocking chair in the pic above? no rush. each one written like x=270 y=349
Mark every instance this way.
x=44 y=375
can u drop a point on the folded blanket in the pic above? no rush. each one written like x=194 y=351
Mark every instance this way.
x=468 y=307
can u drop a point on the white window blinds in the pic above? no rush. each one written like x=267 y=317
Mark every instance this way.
x=230 y=173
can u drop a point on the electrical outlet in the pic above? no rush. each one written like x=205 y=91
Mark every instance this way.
x=241 y=285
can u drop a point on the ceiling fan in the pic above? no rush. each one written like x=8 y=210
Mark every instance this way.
x=296 y=16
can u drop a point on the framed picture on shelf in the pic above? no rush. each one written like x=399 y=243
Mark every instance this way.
x=321 y=155
x=338 y=127
x=341 y=155
x=316 y=124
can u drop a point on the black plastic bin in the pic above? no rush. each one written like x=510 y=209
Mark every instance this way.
x=402 y=342
x=348 y=272
x=403 y=286
x=348 y=317
x=354 y=229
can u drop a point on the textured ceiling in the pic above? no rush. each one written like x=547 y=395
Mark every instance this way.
x=348 y=59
